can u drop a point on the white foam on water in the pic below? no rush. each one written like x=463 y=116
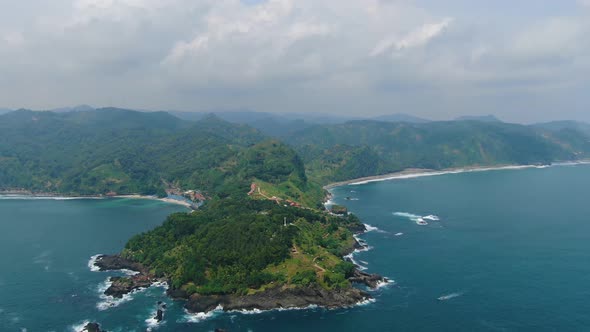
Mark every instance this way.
x=309 y=307
x=92 y=263
x=129 y=272
x=399 y=234
x=384 y=283
x=450 y=296
x=420 y=220
x=161 y=284
x=200 y=316
x=365 y=302
x=152 y=323
x=79 y=327
x=410 y=216
x=258 y=311
x=370 y=228
x=357 y=264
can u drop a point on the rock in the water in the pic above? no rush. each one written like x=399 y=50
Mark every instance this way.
x=124 y=285
x=92 y=327
x=371 y=280
x=159 y=315
x=116 y=262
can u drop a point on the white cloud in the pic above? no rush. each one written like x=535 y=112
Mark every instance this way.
x=328 y=55
x=416 y=38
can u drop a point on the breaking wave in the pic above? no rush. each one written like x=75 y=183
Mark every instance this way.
x=370 y=228
x=79 y=327
x=449 y=296
x=420 y=220
x=92 y=263
x=384 y=283
x=200 y=316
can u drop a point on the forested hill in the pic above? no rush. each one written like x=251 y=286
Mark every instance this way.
x=365 y=148
x=113 y=150
x=122 y=151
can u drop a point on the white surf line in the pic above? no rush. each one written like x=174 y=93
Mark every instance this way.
x=402 y=176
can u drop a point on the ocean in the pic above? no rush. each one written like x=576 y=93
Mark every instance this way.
x=510 y=251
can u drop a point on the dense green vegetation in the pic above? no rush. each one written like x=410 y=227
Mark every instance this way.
x=112 y=150
x=365 y=148
x=241 y=245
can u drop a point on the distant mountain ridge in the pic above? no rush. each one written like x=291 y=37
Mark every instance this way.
x=564 y=125
x=83 y=151
x=365 y=148
x=400 y=117
x=482 y=118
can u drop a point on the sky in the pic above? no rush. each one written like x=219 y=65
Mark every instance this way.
x=521 y=60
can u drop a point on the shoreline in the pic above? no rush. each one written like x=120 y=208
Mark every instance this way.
x=411 y=173
x=18 y=194
x=119 y=289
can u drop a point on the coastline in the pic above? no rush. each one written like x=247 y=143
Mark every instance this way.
x=118 y=289
x=165 y=199
x=422 y=172
x=22 y=194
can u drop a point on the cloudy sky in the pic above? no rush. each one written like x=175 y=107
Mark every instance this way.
x=523 y=60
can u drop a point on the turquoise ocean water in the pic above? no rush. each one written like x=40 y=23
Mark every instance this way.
x=511 y=252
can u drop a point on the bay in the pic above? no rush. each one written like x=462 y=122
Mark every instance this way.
x=511 y=252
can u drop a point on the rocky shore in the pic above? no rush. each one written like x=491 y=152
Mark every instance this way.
x=370 y=280
x=124 y=285
x=277 y=298
x=281 y=297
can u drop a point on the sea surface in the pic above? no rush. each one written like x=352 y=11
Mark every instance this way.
x=511 y=252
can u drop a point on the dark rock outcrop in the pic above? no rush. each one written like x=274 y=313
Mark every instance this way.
x=160 y=312
x=159 y=315
x=370 y=280
x=124 y=285
x=116 y=262
x=92 y=327
x=177 y=294
x=279 y=297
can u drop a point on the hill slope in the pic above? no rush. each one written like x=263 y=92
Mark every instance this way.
x=122 y=151
x=365 y=148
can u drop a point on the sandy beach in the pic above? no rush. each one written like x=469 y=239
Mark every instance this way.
x=419 y=172
x=15 y=194
x=167 y=200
